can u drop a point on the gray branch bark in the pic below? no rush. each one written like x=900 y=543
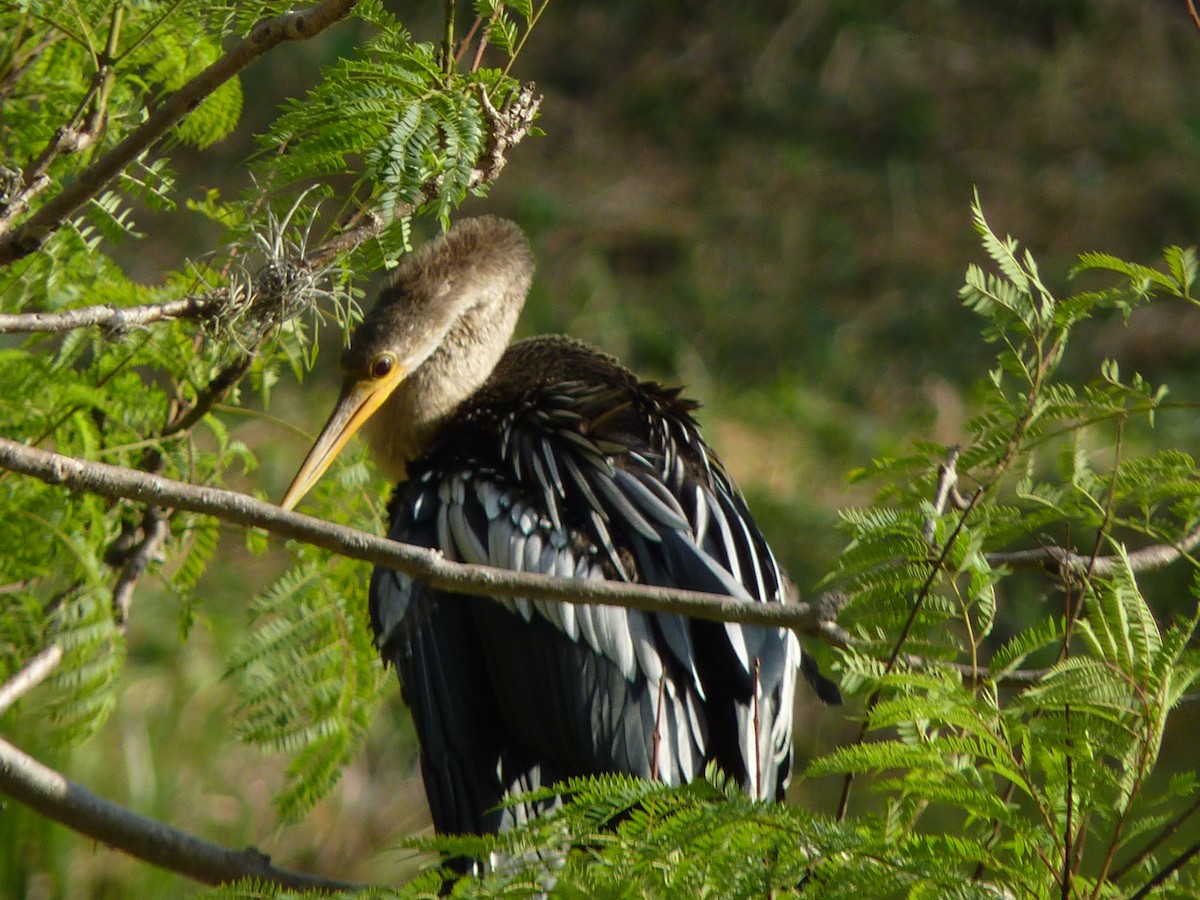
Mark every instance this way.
x=30 y=676
x=113 y=318
x=427 y=565
x=1059 y=559
x=56 y=797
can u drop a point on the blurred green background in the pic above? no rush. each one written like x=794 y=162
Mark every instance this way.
x=768 y=202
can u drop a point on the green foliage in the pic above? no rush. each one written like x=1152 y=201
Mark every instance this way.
x=394 y=107
x=1050 y=773
x=309 y=676
x=391 y=131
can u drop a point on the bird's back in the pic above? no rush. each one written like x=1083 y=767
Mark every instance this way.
x=564 y=463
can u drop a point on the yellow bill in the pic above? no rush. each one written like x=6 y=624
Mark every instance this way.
x=359 y=399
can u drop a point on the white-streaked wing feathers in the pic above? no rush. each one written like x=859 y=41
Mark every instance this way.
x=680 y=534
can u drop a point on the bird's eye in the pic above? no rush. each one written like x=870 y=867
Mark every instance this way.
x=383 y=365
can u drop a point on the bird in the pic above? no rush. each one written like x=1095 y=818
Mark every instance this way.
x=547 y=455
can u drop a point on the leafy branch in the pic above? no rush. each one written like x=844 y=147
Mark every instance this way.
x=136 y=376
x=26 y=238
x=1073 y=741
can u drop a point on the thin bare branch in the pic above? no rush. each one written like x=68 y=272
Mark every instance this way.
x=946 y=489
x=56 y=797
x=1168 y=831
x=265 y=36
x=427 y=565
x=112 y=318
x=30 y=676
x=1170 y=869
x=1067 y=562
x=977 y=674
x=155 y=528
x=213 y=393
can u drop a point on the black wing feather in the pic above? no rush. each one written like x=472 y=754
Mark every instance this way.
x=512 y=693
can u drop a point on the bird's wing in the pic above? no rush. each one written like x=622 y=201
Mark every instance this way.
x=585 y=689
x=468 y=761
x=603 y=688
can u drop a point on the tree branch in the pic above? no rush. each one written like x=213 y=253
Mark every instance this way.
x=947 y=489
x=111 y=318
x=265 y=36
x=155 y=529
x=976 y=674
x=1066 y=562
x=56 y=797
x=1163 y=835
x=30 y=676
x=427 y=565
x=1171 y=868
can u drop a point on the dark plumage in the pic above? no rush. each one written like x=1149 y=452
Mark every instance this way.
x=549 y=456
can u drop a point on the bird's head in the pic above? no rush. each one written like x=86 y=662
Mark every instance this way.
x=432 y=339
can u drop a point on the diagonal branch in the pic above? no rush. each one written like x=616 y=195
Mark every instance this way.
x=265 y=36
x=30 y=676
x=56 y=797
x=155 y=530
x=427 y=565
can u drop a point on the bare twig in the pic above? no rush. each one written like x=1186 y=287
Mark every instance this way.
x=427 y=565
x=155 y=528
x=1171 y=868
x=946 y=489
x=265 y=36
x=56 y=797
x=1191 y=5
x=977 y=674
x=466 y=41
x=1061 y=560
x=112 y=318
x=30 y=676
x=484 y=36
x=1165 y=834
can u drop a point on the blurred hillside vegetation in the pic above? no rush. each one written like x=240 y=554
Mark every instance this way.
x=768 y=202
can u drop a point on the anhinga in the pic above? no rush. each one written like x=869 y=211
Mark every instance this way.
x=549 y=456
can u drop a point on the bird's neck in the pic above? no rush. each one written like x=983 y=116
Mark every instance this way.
x=411 y=417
